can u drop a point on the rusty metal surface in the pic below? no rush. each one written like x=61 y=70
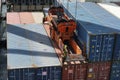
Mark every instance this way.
x=99 y=71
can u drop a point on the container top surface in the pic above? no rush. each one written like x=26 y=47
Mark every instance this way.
x=112 y=8
x=28 y=46
x=88 y=21
x=102 y=15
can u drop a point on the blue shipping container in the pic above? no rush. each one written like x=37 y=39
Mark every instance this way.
x=30 y=54
x=95 y=34
x=107 y=19
x=116 y=55
x=115 y=71
x=43 y=73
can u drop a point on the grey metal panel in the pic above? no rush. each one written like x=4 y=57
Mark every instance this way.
x=29 y=46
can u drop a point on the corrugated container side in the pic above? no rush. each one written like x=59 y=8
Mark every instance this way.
x=68 y=71
x=99 y=71
x=38 y=17
x=31 y=7
x=116 y=55
x=16 y=8
x=80 y=70
x=43 y=73
x=26 y=17
x=24 y=7
x=3 y=64
x=92 y=72
x=104 y=71
x=3 y=72
x=115 y=70
x=107 y=47
x=3 y=57
x=95 y=46
x=38 y=7
x=13 y=18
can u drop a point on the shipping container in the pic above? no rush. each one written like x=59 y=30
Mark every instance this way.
x=68 y=70
x=92 y=32
x=3 y=72
x=16 y=8
x=74 y=70
x=107 y=19
x=45 y=73
x=38 y=7
x=30 y=54
x=24 y=7
x=26 y=18
x=13 y=18
x=31 y=8
x=99 y=71
x=34 y=2
x=3 y=57
x=38 y=17
x=80 y=70
x=115 y=70
x=3 y=64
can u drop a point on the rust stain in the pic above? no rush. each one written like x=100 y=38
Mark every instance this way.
x=33 y=65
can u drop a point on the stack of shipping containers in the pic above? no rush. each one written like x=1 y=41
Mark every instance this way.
x=29 y=5
x=30 y=54
x=101 y=39
x=112 y=22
